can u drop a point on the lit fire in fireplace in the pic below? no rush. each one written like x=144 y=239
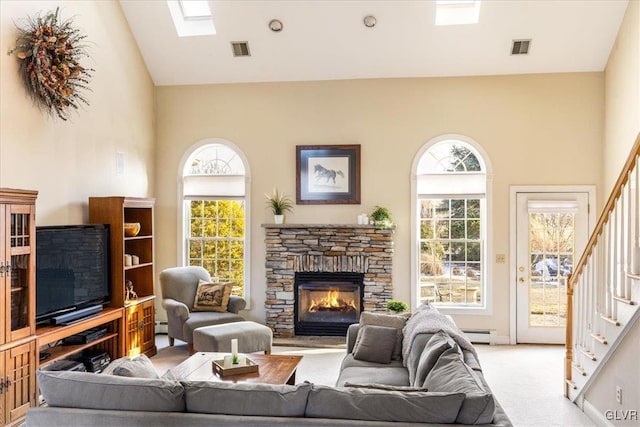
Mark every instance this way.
x=332 y=302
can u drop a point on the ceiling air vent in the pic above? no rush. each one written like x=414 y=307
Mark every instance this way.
x=520 y=47
x=240 y=48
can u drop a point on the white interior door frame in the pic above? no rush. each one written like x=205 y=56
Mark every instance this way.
x=513 y=191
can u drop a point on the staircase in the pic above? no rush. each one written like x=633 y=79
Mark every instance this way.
x=603 y=292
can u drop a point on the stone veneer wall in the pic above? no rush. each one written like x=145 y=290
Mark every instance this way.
x=292 y=248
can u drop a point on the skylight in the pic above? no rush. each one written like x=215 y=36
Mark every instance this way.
x=457 y=12
x=191 y=17
x=195 y=9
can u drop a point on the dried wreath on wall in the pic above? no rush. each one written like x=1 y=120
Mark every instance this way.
x=49 y=52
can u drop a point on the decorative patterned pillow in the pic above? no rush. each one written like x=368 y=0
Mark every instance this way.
x=212 y=296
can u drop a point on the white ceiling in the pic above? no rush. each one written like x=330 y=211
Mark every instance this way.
x=326 y=39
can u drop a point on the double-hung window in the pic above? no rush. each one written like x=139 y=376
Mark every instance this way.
x=215 y=214
x=451 y=198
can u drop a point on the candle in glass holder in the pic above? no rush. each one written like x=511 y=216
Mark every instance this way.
x=234 y=347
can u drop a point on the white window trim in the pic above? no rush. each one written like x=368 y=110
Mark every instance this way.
x=487 y=308
x=182 y=229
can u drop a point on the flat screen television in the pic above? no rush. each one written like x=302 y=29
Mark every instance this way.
x=72 y=269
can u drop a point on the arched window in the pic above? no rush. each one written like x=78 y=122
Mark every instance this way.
x=450 y=199
x=215 y=211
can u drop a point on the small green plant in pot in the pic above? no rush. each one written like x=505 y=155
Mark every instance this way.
x=381 y=217
x=397 y=306
x=279 y=204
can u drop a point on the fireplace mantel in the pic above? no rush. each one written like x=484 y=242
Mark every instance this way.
x=292 y=248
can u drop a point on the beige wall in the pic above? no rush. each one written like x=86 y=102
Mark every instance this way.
x=536 y=129
x=622 y=87
x=70 y=161
x=622 y=127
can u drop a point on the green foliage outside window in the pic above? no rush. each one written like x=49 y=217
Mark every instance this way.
x=216 y=239
x=450 y=245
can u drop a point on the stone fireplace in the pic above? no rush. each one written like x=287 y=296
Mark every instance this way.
x=321 y=276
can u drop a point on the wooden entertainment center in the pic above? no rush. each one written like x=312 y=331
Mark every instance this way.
x=129 y=323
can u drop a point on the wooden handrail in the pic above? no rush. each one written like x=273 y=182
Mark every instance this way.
x=572 y=280
x=608 y=208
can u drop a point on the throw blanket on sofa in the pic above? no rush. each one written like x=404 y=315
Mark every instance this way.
x=428 y=319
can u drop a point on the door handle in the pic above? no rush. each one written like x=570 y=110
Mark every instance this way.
x=522 y=280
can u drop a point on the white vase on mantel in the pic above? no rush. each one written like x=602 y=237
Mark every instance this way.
x=278 y=219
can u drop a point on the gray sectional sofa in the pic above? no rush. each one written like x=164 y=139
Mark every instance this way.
x=437 y=382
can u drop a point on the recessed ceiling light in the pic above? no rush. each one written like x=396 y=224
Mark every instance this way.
x=275 y=25
x=369 y=21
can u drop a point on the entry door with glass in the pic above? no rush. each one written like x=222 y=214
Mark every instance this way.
x=552 y=231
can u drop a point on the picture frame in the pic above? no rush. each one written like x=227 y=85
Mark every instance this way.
x=327 y=174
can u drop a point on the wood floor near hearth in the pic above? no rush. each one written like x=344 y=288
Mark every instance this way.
x=526 y=379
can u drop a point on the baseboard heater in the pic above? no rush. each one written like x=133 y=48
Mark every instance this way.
x=481 y=336
x=162 y=327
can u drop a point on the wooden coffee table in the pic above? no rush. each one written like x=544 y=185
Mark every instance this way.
x=273 y=369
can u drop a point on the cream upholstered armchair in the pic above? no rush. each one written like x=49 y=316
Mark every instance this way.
x=178 y=286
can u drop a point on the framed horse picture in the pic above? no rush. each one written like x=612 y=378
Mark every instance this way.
x=327 y=174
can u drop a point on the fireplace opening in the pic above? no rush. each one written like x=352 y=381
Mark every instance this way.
x=327 y=303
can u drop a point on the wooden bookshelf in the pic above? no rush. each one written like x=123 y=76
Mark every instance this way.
x=139 y=325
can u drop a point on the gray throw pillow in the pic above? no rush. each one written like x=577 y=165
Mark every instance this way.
x=438 y=344
x=450 y=374
x=87 y=390
x=382 y=405
x=390 y=321
x=138 y=367
x=268 y=400
x=375 y=344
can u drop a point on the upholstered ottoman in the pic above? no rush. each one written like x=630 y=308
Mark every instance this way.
x=251 y=336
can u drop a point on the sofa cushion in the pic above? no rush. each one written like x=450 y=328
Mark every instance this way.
x=380 y=405
x=438 y=344
x=385 y=387
x=411 y=362
x=98 y=391
x=210 y=397
x=390 y=321
x=212 y=296
x=138 y=367
x=381 y=374
x=375 y=344
x=450 y=374
x=349 y=362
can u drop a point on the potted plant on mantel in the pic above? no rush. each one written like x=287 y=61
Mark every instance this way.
x=381 y=217
x=279 y=204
